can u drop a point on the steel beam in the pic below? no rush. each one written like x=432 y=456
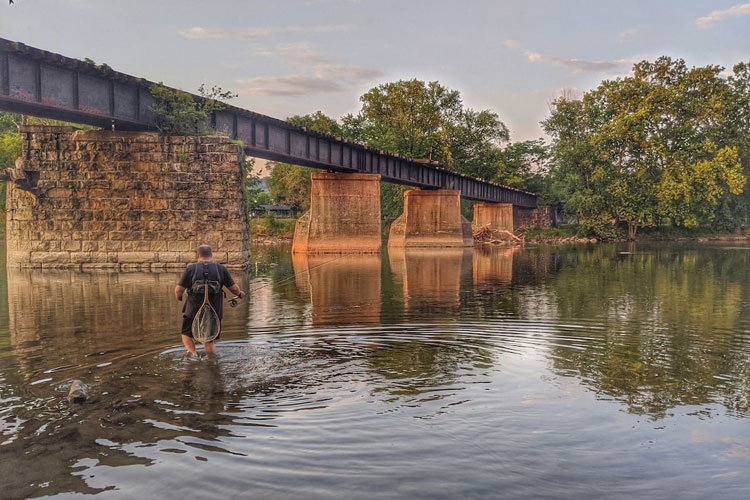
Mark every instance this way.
x=40 y=83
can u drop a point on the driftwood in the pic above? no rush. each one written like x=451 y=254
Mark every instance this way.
x=484 y=234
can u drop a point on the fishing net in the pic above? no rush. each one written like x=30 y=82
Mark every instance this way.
x=206 y=325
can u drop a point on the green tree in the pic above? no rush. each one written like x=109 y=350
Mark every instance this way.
x=180 y=113
x=255 y=194
x=427 y=121
x=648 y=146
x=317 y=122
x=290 y=185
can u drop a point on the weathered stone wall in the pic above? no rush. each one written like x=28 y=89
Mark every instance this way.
x=106 y=199
x=536 y=218
x=505 y=216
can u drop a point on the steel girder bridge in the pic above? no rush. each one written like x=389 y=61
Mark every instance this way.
x=44 y=84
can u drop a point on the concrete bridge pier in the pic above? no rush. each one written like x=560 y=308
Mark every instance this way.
x=344 y=215
x=499 y=216
x=431 y=219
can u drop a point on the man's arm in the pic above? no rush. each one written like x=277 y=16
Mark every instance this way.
x=178 y=291
x=235 y=289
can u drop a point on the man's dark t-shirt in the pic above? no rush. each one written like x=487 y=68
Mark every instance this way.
x=195 y=301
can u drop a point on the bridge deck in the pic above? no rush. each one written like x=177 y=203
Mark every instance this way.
x=40 y=83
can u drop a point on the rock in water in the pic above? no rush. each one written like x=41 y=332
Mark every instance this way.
x=78 y=393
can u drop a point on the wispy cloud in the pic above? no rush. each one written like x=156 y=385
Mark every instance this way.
x=320 y=73
x=202 y=33
x=628 y=34
x=719 y=15
x=580 y=65
x=577 y=65
x=298 y=53
x=325 y=78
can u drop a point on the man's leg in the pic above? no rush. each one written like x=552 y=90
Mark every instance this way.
x=189 y=345
x=210 y=348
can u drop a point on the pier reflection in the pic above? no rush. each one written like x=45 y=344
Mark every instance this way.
x=431 y=278
x=493 y=265
x=342 y=289
x=70 y=317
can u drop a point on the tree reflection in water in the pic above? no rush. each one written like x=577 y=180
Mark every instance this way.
x=663 y=326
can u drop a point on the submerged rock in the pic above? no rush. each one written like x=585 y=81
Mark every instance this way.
x=78 y=393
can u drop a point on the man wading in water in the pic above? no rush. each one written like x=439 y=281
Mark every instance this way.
x=216 y=273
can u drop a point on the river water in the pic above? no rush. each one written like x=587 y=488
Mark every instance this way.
x=610 y=371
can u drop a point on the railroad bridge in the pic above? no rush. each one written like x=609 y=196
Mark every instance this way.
x=125 y=196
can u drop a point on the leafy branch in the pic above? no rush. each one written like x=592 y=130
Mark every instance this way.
x=180 y=113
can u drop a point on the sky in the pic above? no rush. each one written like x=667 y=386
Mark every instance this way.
x=292 y=57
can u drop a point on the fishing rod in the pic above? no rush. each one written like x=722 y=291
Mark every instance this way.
x=233 y=300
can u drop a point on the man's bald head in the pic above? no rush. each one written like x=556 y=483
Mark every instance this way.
x=204 y=251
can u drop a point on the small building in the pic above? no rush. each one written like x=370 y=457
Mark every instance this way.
x=278 y=211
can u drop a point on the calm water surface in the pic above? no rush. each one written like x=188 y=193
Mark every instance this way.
x=589 y=372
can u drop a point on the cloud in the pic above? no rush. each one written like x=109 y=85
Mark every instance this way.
x=628 y=34
x=325 y=78
x=579 y=65
x=201 y=33
x=299 y=53
x=320 y=73
x=714 y=17
x=511 y=44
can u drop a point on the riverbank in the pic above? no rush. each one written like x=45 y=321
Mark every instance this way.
x=568 y=234
x=273 y=231
x=267 y=230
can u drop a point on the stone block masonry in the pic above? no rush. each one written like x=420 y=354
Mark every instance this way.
x=505 y=216
x=124 y=200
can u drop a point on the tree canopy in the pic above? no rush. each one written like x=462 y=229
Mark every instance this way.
x=662 y=143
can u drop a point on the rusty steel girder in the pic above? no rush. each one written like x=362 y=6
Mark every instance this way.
x=41 y=83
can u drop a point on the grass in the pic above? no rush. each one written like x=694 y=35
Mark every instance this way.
x=561 y=231
x=271 y=227
x=671 y=232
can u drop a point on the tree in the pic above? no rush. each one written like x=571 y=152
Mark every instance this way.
x=427 y=121
x=317 y=122
x=255 y=194
x=652 y=145
x=522 y=162
x=290 y=185
x=180 y=113
x=409 y=118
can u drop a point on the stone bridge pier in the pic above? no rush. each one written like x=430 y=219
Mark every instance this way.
x=103 y=199
x=508 y=217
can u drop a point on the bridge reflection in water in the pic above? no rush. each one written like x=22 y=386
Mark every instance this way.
x=431 y=278
x=493 y=265
x=76 y=314
x=342 y=289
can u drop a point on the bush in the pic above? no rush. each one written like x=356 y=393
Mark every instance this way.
x=179 y=113
x=270 y=226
